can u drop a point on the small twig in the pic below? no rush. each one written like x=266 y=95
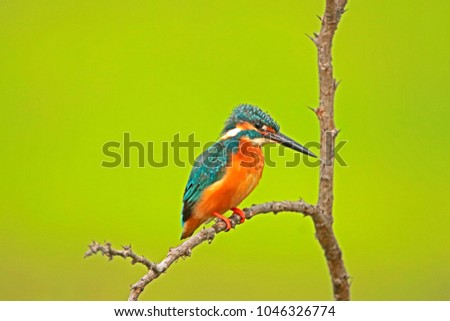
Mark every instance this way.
x=107 y=250
x=185 y=248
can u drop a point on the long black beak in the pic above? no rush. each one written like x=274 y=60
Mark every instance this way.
x=288 y=142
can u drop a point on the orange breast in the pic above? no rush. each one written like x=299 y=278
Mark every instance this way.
x=241 y=177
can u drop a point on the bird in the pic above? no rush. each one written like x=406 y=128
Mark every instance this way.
x=230 y=169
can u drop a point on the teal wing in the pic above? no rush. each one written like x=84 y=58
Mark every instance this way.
x=209 y=168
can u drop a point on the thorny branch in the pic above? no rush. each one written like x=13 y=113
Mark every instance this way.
x=323 y=221
x=322 y=213
x=185 y=249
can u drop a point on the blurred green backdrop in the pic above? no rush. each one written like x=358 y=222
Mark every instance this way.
x=76 y=74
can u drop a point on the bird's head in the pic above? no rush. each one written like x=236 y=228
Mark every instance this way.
x=257 y=126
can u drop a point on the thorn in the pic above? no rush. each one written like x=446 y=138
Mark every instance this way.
x=315 y=35
x=319 y=17
x=314 y=110
x=336 y=132
x=336 y=83
x=312 y=39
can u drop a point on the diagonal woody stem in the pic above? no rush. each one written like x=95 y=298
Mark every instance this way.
x=185 y=249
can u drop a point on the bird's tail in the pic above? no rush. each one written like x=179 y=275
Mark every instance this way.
x=189 y=227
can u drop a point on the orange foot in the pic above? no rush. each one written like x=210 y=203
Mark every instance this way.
x=239 y=212
x=224 y=219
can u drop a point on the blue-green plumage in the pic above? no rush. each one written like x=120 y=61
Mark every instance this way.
x=251 y=114
x=209 y=168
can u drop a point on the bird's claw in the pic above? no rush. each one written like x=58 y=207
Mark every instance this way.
x=239 y=212
x=225 y=220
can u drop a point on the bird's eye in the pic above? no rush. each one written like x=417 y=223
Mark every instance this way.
x=258 y=125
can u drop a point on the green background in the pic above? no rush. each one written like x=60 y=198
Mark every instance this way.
x=76 y=74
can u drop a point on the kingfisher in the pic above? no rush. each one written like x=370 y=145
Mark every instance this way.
x=229 y=170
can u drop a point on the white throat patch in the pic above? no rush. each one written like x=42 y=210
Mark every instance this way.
x=260 y=141
x=231 y=133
